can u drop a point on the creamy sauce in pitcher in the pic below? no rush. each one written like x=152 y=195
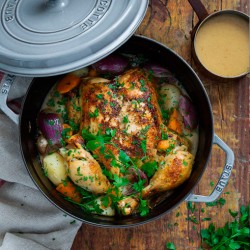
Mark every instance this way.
x=222 y=45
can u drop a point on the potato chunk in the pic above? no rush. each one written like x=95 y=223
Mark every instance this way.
x=55 y=167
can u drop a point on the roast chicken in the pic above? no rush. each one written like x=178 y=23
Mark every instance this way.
x=129 y=106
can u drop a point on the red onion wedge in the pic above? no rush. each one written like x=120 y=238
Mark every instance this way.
x=188 y=112
x=157 y=70
x=51 y=127
x=112 y=64
x=133 y=176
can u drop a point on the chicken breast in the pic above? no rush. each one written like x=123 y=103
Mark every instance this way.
x=127 y=105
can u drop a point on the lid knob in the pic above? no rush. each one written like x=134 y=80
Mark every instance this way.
x=56 y=5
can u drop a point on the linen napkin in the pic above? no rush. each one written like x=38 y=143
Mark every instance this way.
x=27 y=219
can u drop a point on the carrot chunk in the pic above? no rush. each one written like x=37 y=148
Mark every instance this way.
x=68 y=189
x=92 y=73
x=68 y=83
x=175 y=123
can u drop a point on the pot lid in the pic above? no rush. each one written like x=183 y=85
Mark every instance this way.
x=50 y=37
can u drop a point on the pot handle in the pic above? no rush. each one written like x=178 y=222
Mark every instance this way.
x=199 y=9
x=4 y=91
x=223 y=178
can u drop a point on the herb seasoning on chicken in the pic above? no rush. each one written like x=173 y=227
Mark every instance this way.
x=119 y=140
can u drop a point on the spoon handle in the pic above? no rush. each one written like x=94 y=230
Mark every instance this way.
x=199 y=9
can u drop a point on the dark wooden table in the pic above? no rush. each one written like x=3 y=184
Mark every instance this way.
x=170 y=23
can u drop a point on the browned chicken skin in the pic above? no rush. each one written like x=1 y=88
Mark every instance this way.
x=128 y=105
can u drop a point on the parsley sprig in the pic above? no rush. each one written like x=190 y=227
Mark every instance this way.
x=234 y=235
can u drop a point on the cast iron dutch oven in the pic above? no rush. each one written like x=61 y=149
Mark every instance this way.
x=185 y=74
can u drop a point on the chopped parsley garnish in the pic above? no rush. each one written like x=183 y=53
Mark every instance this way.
x=105 y=200
x=206 y=219
x=144 y=146
x=170 y=246
x=125 y=119
x=94 y=114
x=169 y=149
x=211 y=183
x=143 y=207
x=164 y=135
x=75 y=107
x=132 y=85
x=73 y=125
x=120 y=181
x=65 y=133
x=123 y=157
x=149 y=168
x=145 y=130
x=185 y=163
x=51 y=102
x=110 y=132
x=191 y=207
x=166 y=114
x=143 y=84
x=220 y=202
x=192 y=218
x=99 y=96
x=138 y=186
x=233 y=214
x=79 y=172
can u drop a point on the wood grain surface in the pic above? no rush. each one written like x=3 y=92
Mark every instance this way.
x=170 y=22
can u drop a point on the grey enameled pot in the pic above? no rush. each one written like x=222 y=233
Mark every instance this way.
x=156 y=51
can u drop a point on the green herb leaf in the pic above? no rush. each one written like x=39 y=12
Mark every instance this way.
x=66 y=133
x=144 y=146
x=192 y=218
x=206 y=219
x=120 y=181
x=110 y=132
x=234 y=235
x=190 y=206
x=99 y=96
x=220 y=202
x=170 y=245
x=149 y=168
x=143 y=84
x=234 y=245
x=211 y=183
x=234 y=214
x=164 y=136
x=138 y=186
x=94 y=114
x=125 y=119
x=105 y=200
x=143 y=207
x=123 y=157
